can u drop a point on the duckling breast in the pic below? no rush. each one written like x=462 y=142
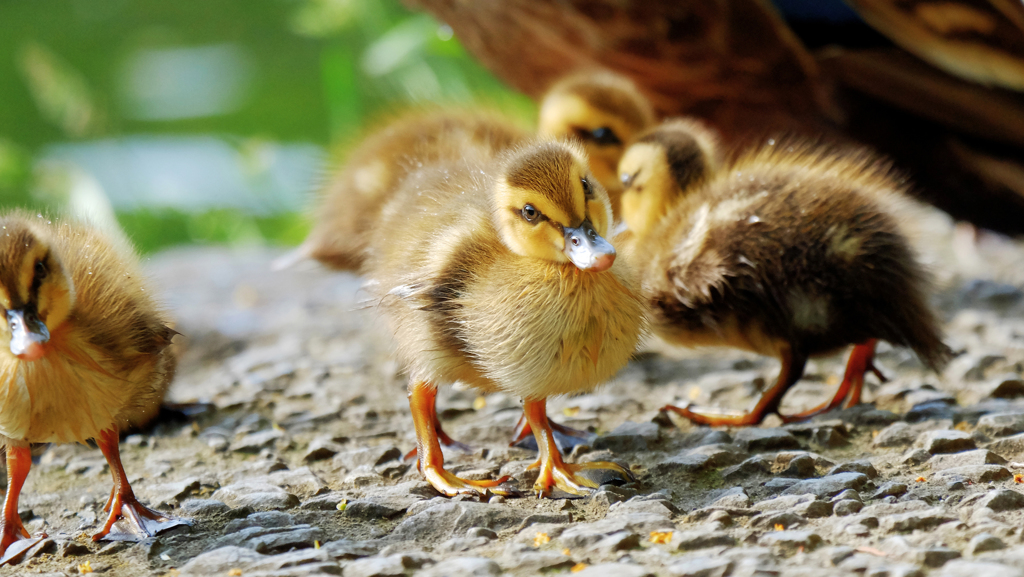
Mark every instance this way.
x=549 y=329
x=74 y=392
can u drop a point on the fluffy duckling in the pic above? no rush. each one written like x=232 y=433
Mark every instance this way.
x=605 y=111
x=792 y=252
x=496 y=273
x=86 y=354
x=351 y=202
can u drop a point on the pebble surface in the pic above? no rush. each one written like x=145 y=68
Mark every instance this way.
x=295 y=467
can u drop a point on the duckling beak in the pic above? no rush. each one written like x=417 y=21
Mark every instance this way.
x=587 y=249
x=28 y=334
x=627 y=179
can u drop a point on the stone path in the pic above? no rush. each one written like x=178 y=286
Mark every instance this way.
x=295 y=468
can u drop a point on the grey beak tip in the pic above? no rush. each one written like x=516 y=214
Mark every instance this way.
x=585 y=247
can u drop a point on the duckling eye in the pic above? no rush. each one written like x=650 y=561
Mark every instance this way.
x=529 y=213
x=41 y=271
x=602 y=136
x=605 y=136
x=588 y=191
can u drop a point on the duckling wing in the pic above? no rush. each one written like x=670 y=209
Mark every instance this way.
x=696 y=271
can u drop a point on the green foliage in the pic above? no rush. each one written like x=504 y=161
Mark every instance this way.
x=323 y=71
x=151 y=230
x=15 y=173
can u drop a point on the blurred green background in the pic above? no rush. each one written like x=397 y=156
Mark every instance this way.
x=210 y=121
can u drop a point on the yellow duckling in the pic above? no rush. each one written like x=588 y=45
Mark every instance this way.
x=793 y=251
x=350 y=204
x=605 y=111
x=496 y=273
x=86 y=355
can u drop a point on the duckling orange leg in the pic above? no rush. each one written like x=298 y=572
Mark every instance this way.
x=142 y=521
x=862 y=360
x=14 y=539
x=791 y=371
x=422 y=397
x=860 y=363
x=524 y=430
x=553 y=470
x=442 y=437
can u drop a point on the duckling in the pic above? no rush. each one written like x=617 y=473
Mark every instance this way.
x=351 y=202
x=496 y=273
x=86 y=355
x=605 y=111
x=793 y=251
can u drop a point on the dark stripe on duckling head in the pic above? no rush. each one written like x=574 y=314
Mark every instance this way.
x=16 y=241
x=39 y=272
x=547 y=169
x=686 y=159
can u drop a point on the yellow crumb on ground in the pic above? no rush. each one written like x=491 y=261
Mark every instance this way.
x=661 y=537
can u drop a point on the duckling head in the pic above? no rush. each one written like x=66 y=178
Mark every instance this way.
x=604 y=110
x=662 y=166
x=36 y=291
x=549 y=206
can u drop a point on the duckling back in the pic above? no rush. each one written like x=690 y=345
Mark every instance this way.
x=790 y=252
x=352 y=200
x=465 y=307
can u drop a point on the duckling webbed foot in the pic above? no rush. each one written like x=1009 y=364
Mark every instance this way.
x=718 y=418
x=792 y=369
x=579 y=479
x=422 y=398
x=132 y=520
x=14 y=538
x=450 y=485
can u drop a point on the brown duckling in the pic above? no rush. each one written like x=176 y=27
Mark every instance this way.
x=351 y=202
x=496 y=273
x=86 y=355
x=793 y=251
x=605 y=111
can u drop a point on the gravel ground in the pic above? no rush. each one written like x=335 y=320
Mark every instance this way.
x=295 y=467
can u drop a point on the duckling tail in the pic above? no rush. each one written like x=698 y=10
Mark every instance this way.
x=289 y=259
